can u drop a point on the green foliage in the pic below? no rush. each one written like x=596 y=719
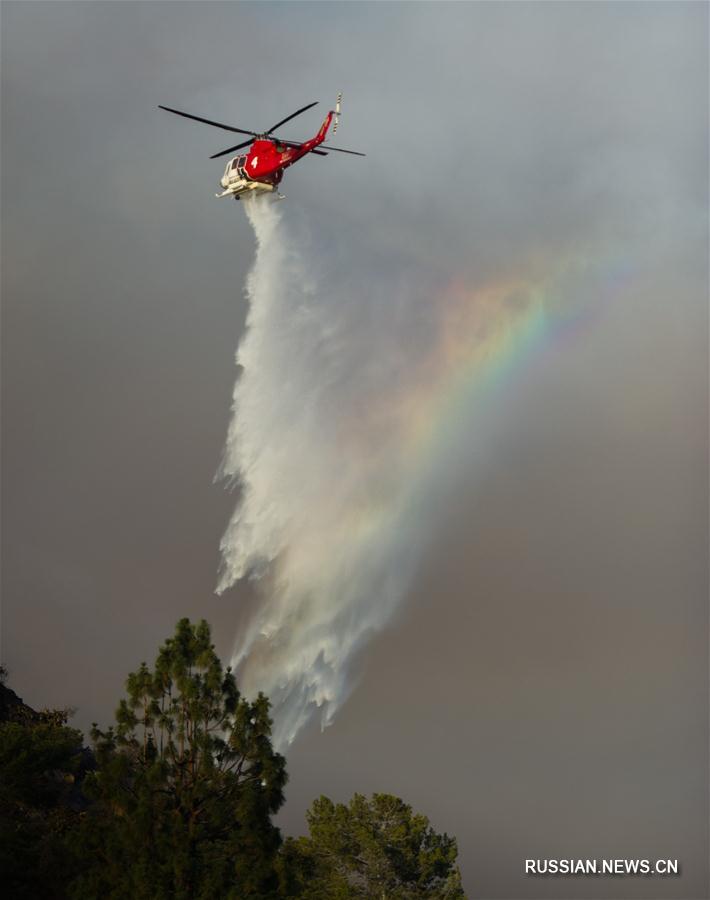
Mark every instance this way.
x=179 y=799
x=186 y=785
x=370 y=849
x=39 y=757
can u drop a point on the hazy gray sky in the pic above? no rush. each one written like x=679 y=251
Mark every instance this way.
x=543 y=690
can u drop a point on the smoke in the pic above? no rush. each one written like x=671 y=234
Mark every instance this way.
x=347 y=383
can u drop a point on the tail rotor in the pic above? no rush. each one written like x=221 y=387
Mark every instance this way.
x=337 y=112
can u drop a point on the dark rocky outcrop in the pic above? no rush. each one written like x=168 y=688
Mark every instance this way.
x=13 y=709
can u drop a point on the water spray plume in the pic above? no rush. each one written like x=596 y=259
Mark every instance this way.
x=348 y=402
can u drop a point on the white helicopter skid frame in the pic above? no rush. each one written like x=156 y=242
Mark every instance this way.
x=239 y=186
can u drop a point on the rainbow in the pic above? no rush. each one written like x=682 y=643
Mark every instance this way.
x=485 y=336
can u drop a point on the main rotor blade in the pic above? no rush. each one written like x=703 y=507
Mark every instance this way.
x=292 y=116
x=326 y=147
x=296 y=144
x=338 y=150
x=207 y=121
x=231 y=149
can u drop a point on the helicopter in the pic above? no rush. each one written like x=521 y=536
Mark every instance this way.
x=261 y=169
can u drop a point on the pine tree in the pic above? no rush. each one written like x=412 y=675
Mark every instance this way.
x=377 y=849
x=186 y=785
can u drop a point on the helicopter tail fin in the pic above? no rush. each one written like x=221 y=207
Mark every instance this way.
x=322 y=133
x=333 y=115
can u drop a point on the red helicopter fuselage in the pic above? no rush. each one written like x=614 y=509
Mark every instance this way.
x=268 y=158
x=262 y=168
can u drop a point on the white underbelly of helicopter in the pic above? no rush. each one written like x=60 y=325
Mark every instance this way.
x=233 y=187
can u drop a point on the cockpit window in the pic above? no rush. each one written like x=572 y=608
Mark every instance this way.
x=235 y=162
